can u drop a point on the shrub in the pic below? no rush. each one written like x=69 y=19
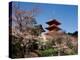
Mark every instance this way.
x=48 y=52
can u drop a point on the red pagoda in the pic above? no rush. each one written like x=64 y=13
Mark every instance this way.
x=53 y=25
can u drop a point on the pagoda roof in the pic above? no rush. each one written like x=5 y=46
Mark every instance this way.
x=53 y=21
x=40 y=27
x=53 y=28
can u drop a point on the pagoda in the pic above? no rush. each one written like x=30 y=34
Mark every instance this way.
x=53 y=25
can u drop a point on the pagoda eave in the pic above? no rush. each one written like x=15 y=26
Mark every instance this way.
x=48 y=28
x=54 y=21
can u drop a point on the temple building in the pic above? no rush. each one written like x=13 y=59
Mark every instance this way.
x=53 y=25
x=53 y=30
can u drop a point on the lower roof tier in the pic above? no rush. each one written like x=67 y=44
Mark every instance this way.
x=53 y=28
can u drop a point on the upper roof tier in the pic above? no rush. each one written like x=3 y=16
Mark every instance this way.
x=53 y=21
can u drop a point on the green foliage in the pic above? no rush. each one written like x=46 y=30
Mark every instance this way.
x=72 y=52
x=48 y=52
